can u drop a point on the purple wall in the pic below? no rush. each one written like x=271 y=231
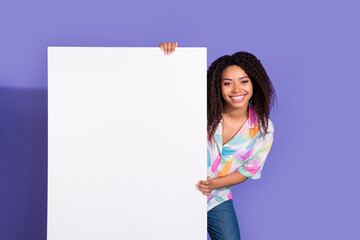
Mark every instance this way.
x=309 y=187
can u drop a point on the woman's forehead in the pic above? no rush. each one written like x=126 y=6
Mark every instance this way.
x=233 y=71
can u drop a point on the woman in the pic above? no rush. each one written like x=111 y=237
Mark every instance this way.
x=240 y=133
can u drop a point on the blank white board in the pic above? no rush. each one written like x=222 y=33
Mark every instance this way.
x=126 y=143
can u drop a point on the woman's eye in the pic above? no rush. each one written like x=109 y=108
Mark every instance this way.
x=227 y=84
x=245 y=81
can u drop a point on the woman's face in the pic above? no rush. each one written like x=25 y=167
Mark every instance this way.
x=236 y=88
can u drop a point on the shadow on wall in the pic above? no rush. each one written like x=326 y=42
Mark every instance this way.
x=23 y=163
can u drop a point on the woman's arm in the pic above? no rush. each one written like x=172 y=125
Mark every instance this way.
x=213 y=183
x=228 y=180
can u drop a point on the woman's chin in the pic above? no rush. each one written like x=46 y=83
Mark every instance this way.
x=239 y=105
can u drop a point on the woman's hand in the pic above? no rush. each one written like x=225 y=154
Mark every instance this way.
x=205 y=186
x=168 y=47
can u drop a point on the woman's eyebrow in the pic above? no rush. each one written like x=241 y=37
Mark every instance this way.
x=239 y=78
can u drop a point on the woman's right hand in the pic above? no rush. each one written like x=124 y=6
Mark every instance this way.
x=168 y=47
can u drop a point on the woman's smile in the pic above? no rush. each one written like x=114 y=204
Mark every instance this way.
x=238 y=98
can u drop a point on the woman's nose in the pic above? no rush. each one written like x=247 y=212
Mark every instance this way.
x=236 y=88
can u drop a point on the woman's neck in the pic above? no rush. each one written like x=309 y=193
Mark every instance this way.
x=236 y=113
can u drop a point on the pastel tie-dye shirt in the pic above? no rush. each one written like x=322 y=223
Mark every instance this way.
x=245 y=152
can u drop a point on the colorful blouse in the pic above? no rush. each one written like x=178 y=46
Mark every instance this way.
x=245 y=152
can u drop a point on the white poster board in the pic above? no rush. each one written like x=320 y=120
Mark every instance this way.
x=126 y=143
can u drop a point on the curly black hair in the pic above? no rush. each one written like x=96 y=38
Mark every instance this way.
x=263 y=91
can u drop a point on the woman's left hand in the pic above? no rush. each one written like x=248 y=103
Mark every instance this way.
x=205 y=186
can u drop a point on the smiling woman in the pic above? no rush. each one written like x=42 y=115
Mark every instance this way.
x=236 y=87
x=240 y=133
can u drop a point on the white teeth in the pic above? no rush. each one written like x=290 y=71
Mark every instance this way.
x=238 y=97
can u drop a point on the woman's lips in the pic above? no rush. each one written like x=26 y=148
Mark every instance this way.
x=238 y=98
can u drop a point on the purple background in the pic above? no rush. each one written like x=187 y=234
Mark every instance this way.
x=309 y=188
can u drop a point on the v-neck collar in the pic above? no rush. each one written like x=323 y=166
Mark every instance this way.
x=251 y=123
x=238 y=132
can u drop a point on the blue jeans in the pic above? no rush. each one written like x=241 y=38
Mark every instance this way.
x=222 y=223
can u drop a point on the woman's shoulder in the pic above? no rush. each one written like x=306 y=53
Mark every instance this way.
x=253 y=120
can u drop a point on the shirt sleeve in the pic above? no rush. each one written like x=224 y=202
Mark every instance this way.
x=254 y=164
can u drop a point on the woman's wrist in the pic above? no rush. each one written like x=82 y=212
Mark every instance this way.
x=215 y=182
